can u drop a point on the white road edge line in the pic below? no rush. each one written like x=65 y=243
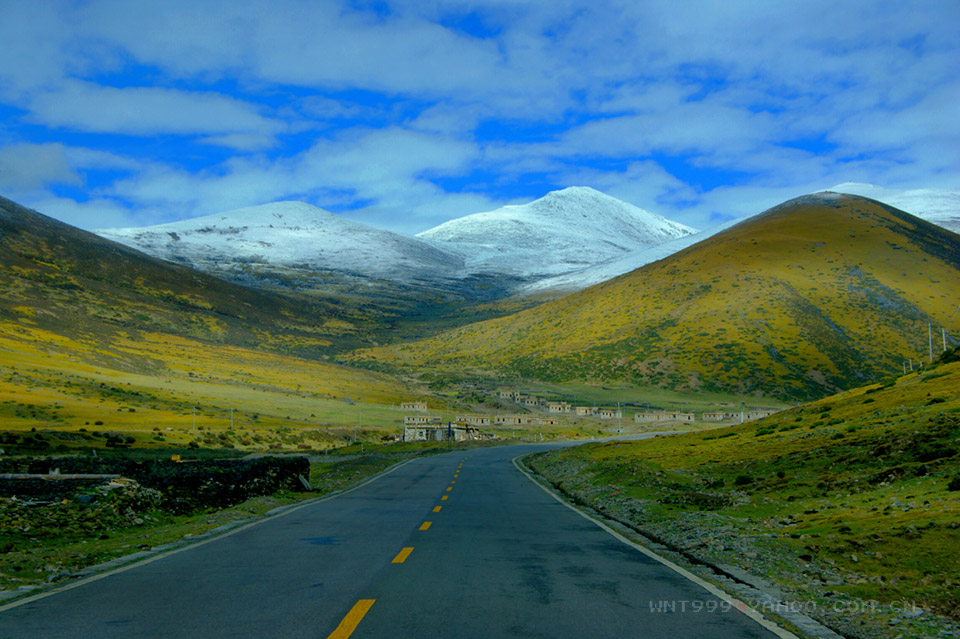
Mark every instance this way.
x=191 y=546
x=735 y=603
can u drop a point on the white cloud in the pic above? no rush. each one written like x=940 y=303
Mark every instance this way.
x=387 y=169
x=93 y=214
x=25 y=168
x=85 y=106
x=241 y=141
x=781 y=96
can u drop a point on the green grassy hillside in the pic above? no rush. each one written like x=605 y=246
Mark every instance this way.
x=853 y=496
x=821 y=293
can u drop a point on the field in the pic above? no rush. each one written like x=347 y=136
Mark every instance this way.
x=177 y=390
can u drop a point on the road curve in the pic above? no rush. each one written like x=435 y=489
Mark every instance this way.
x=456 y=545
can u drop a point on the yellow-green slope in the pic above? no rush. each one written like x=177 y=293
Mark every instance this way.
x=820 y=293
x=98 y=336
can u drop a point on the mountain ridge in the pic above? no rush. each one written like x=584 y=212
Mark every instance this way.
x=816 y=294
x=295 y=244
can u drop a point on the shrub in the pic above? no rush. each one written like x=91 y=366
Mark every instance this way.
x=742 y=480
x=954 y=484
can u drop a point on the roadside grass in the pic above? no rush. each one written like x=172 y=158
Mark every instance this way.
x=856 y=495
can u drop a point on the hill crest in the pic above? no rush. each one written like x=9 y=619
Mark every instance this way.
x=820 y=293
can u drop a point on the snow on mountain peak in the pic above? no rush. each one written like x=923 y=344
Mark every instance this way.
x=563 y=231
x=290 y=234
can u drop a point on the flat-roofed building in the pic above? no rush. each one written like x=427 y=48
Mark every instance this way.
x=662 y=417
x=473 y=420
x=440 y=433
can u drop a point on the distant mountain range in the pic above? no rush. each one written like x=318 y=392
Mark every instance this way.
x=563 y=242
x=296 y=244
x=821 y=293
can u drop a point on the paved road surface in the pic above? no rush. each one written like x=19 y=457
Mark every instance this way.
x=493 y=555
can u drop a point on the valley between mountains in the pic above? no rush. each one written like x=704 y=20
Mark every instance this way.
x=284 y=330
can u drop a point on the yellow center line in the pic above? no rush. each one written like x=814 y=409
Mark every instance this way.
x=402 y=555
x=449 y=488
x=454 y=481
x=444 y=498
x=352 y=620
x=425 y=525
x=436 y=509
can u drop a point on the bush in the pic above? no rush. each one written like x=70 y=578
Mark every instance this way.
x=742 y=480
x=195 y=485
x=933 y=450
x=954 y=484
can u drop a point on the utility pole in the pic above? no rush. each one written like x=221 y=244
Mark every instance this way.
x=930 y=337
x=943 y=332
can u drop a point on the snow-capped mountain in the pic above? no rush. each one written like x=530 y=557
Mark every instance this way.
x=297 y=244
x=291 y=235
x=576 y=280
x=940 y=206
x=561 y=232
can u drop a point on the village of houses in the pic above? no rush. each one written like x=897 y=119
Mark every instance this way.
x=424 y=426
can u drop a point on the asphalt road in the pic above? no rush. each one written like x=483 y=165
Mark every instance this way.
x=458 y=545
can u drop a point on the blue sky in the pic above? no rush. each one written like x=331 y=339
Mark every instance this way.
x=406 y=114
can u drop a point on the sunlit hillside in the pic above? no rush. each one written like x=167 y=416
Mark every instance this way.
x=59 y=278
x=823 y=292
x=97 y=336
